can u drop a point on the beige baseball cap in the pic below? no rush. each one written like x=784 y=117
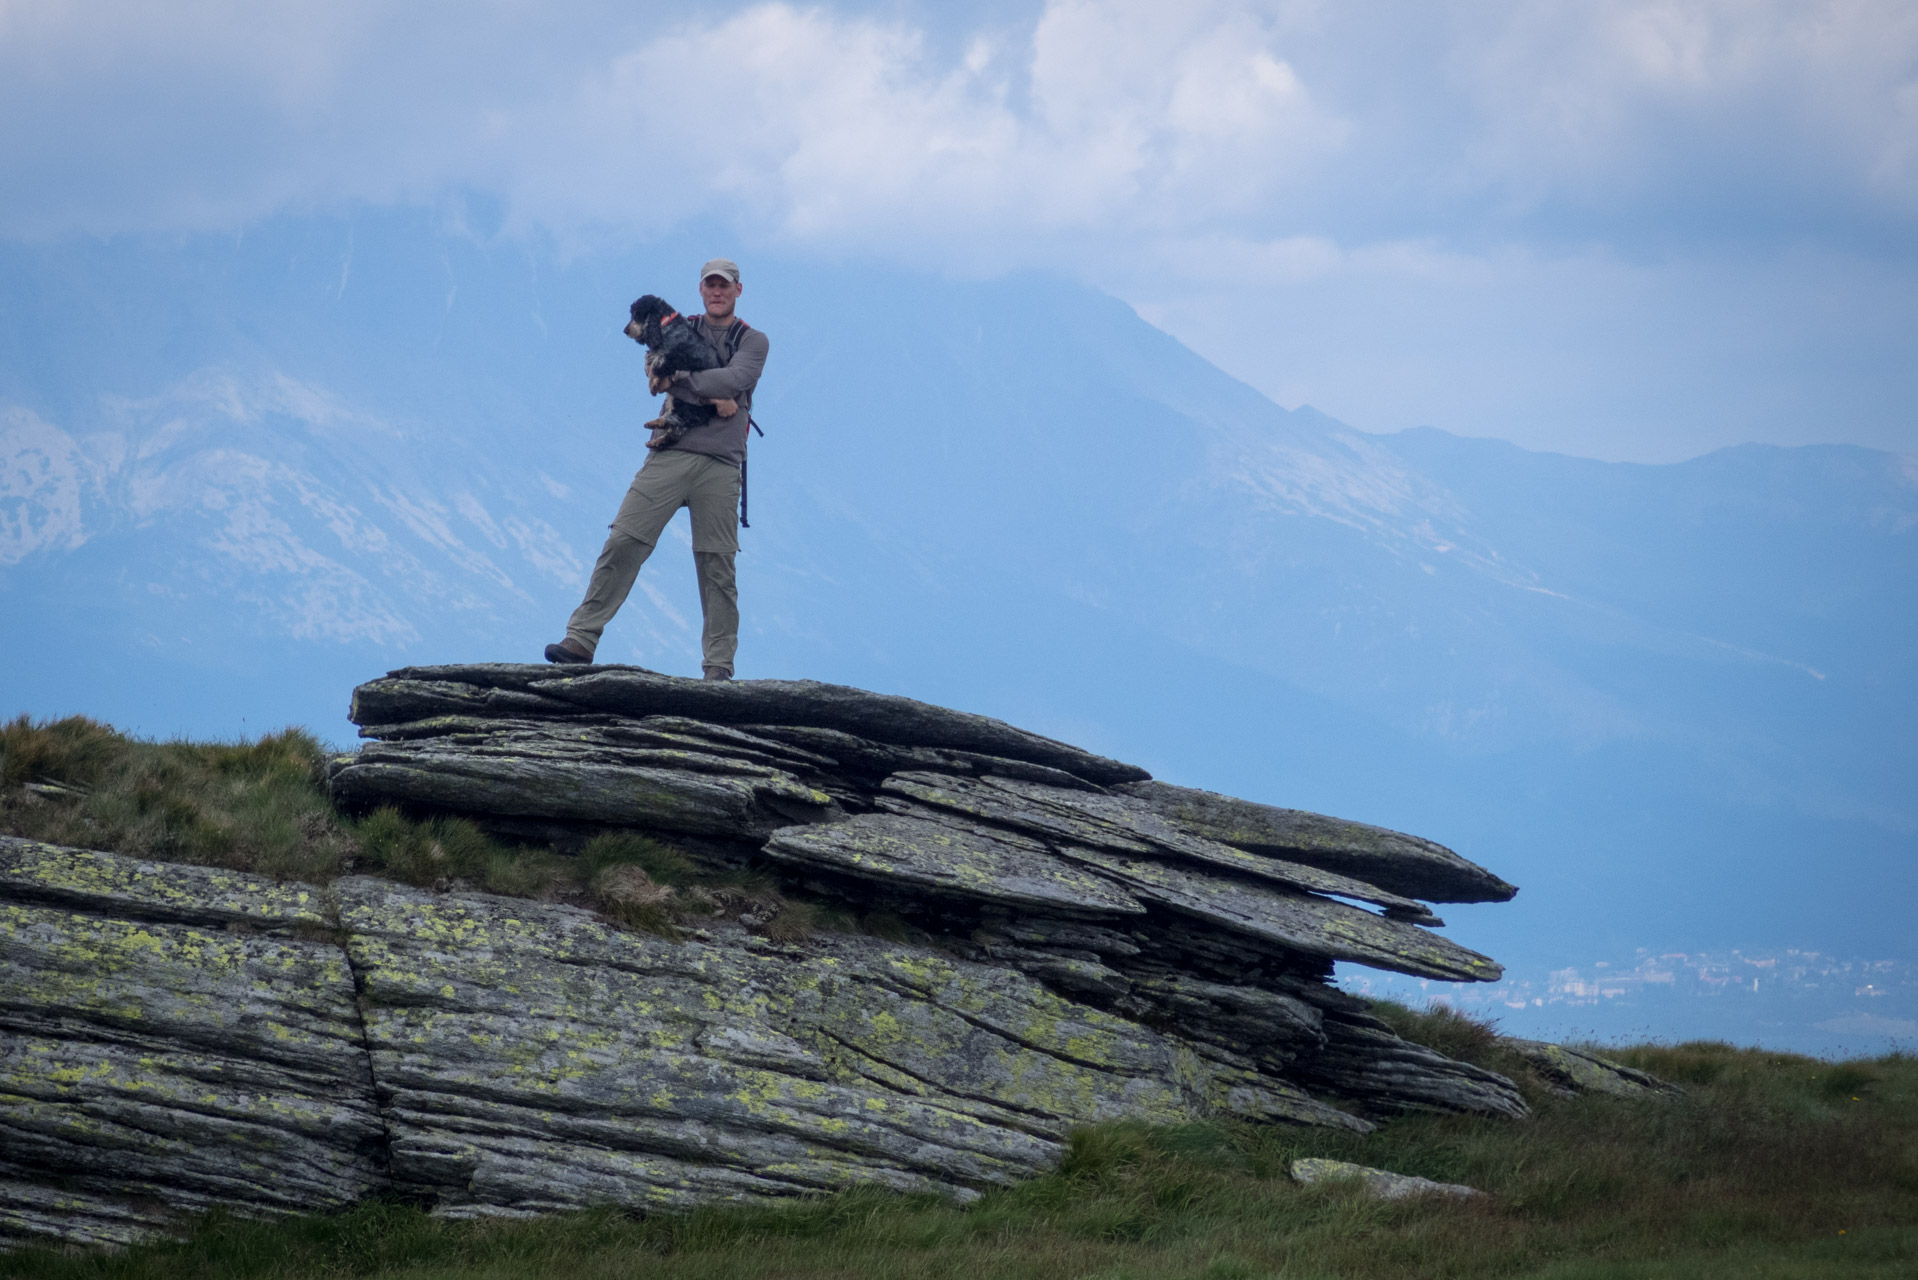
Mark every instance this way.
x=721 y=267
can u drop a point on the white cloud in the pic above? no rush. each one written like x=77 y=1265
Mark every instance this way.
x=1613 y=103
x=1439 y=175
x=834 y=129
x=1109 y=117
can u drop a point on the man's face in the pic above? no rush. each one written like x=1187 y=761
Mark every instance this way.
x=719 y=295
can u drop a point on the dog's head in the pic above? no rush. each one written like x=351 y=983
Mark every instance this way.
x=649 y=315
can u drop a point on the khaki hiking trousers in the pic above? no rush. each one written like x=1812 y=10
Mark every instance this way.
x=671 y=479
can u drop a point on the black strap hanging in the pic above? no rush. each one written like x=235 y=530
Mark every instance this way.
x=736 y=334
x=743 y=523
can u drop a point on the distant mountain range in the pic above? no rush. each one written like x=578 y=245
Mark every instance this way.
x=1674 y=703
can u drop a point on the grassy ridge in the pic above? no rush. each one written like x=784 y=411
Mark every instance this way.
x=251 y=806
x=262 y=807
x=1771 y=1166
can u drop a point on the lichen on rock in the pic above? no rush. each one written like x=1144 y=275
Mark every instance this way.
x=1086 y=945
x=171 y=1042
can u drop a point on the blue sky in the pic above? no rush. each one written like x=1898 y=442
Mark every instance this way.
x=1626 y=229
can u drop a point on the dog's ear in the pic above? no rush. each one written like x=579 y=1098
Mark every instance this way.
x=650 y=306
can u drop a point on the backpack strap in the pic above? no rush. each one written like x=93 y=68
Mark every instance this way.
x=735 y=334
x=743 y=523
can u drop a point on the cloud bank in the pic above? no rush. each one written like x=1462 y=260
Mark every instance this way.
x=1275 y=118
x=1156 y=150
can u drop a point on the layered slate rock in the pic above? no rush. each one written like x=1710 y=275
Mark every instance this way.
x=1089 y=945
x=1389 y=859
x=532 y=1057
x=1161 y=905
x=176 y=1039
x=172 y=1040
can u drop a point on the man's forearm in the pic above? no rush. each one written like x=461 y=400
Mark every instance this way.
x=728 y=383
x=709 y=385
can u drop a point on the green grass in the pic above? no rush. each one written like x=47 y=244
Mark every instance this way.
x=1770 y=1166
x=262 y=806
x=1763 y=1170
x=252 y=806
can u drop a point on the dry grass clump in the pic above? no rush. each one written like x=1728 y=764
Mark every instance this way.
x=253 y=806
x=1441 y=1027
x=262 y=806
x=636 y=880
x=653 y=886
x=639 y=881
x=57 y=754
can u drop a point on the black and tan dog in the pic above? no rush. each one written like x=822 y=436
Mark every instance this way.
x=673 y=343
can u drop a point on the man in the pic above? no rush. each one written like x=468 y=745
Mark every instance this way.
x=701 y=471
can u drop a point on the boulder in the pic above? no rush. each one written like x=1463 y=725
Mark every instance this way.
x=633 y=693
x=1378 y=1184
x=1566 y=1071
x=1006 y=847
x=532 y=1057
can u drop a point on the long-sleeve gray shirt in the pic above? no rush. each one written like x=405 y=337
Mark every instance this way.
x=722 y=438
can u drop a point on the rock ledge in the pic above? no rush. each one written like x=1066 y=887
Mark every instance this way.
x=1094 y=945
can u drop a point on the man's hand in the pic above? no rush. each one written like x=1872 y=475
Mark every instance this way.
x=727 y=408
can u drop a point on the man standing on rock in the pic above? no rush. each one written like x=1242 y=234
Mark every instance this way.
x=702 y=471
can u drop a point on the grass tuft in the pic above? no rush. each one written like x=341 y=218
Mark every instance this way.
x=1846 y=1080
x=262 y=806
x=1445 y=1029
x=252 y=806
x=627 y=893
x=661 y=862
x=74 y=751
x=442 y=851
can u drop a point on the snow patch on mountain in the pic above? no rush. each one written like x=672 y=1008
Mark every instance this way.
x=41 y=476
x=274 y=486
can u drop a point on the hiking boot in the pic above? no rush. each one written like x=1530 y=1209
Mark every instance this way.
x=565 y=652
x=718 y=673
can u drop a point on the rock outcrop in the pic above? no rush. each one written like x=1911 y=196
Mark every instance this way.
x=172 y=1040
x=1090 y=944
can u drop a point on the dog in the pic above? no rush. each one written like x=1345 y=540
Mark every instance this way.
x=673 y=343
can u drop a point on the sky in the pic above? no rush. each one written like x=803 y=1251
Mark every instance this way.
x=1624 y=229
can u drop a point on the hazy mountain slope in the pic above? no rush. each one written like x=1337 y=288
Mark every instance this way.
x=1671 y=702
